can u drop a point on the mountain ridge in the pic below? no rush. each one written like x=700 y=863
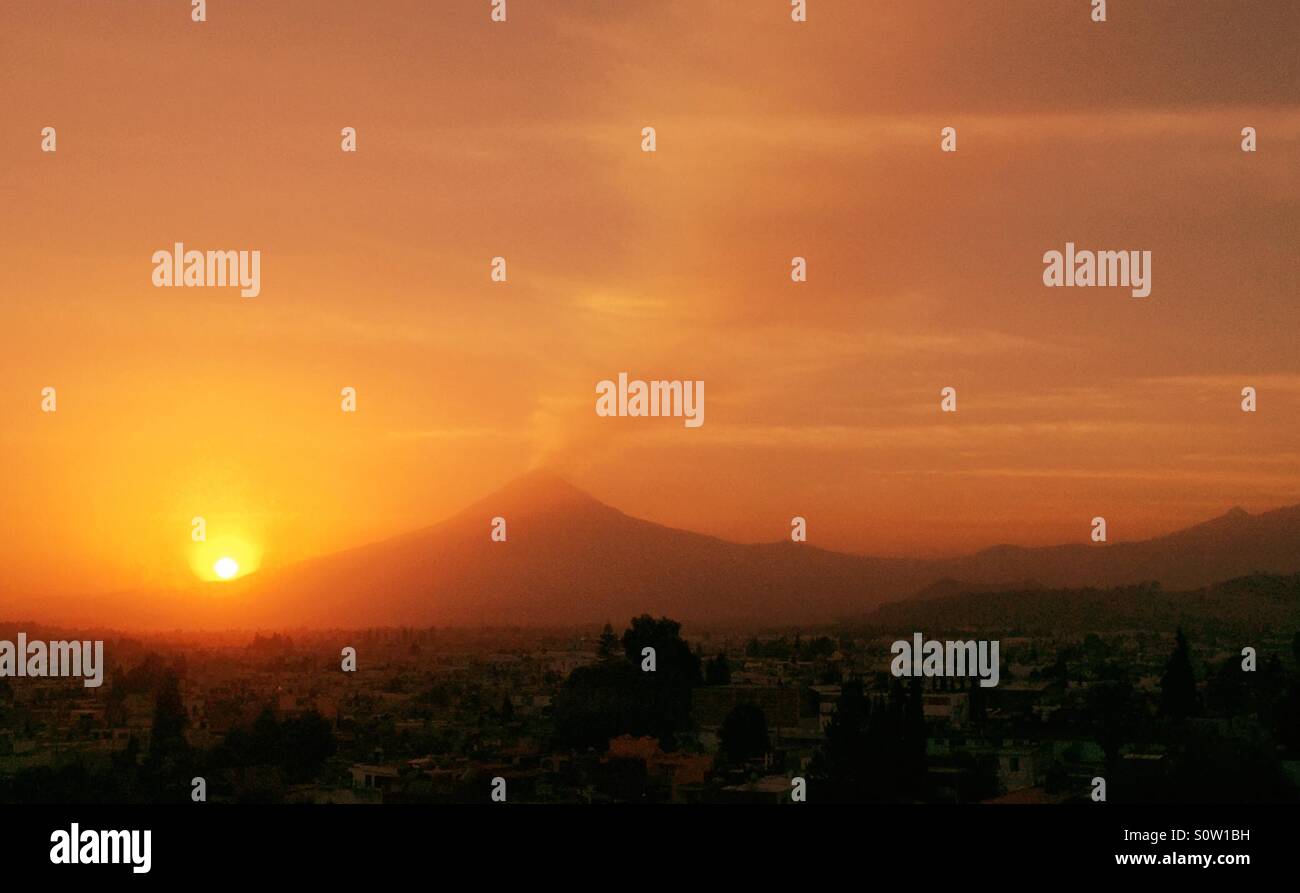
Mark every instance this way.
x=569 y=557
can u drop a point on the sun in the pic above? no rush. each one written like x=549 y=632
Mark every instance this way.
x=226 y=567
x=225 y=557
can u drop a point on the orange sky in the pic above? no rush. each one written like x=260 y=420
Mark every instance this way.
x=523 y=140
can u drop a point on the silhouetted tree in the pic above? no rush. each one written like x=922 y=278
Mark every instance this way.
x=169 y=719
x=977 y=777
x=305 y=742
x=1286 y=716
x=666 y=692
x=1112 y=710
x=1178 y=685
x=912 y=774
x=608 y=646
x=717 y=671
x=616 y=697
x=597 y=703
x=1205 y=766
x=845 y=754
x=1227 y=691
x=743 y=734
x=978 y=701
x=875 y=748
x=295 y=748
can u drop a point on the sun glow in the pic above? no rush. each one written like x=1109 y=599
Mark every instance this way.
x=224 y=557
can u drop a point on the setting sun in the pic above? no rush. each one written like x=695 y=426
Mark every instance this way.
x=225 y=568
x=225 y=555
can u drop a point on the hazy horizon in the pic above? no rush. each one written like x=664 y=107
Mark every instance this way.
x=780 y=535
x=573 y=560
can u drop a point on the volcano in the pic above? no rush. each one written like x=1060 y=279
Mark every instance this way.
x=570 y=559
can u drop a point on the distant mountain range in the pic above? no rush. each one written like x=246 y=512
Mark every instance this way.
x=1258 y=605
x=571 y=559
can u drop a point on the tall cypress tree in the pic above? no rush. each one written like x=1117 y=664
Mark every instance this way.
x=1178 y=685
